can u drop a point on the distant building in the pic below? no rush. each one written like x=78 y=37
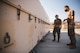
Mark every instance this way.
x=77 y=25
x=64 y=25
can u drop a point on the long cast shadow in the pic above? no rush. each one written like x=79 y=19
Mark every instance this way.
x=47 y=42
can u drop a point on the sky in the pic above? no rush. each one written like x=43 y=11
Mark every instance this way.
x=53 y=7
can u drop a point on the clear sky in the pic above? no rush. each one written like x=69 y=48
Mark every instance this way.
x=53 y=7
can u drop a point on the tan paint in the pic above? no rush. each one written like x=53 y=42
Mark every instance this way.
x=24 y=35
x=7 y=27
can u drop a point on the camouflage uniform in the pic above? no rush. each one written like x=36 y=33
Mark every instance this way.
x=71 y=27
x=57 y=27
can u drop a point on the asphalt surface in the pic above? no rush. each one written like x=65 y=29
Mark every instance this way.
x=48 y=46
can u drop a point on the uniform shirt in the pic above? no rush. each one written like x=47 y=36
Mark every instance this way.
x=70 y=14
x=57 y=22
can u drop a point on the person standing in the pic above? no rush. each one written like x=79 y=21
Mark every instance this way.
x=71 y=26
x=57 y=27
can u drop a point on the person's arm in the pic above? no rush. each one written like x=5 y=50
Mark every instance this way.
x=68 y=20
x=54 y=22
x=60 y=23
x=64 y=20
x=72 y=16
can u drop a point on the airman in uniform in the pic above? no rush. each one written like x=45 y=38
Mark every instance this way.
x=71 y=26
x=57 y=28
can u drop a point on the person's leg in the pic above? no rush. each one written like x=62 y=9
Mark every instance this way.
x=73 y=39
x=58 y=33
x=69 y=36
x=54 y=32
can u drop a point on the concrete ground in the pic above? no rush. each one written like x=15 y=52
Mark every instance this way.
x=48 y=46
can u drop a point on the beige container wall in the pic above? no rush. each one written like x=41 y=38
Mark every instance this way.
x=7 y=25
x=33 y=6
x=24 y=35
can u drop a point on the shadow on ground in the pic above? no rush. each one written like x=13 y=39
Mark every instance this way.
x=46 y=45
